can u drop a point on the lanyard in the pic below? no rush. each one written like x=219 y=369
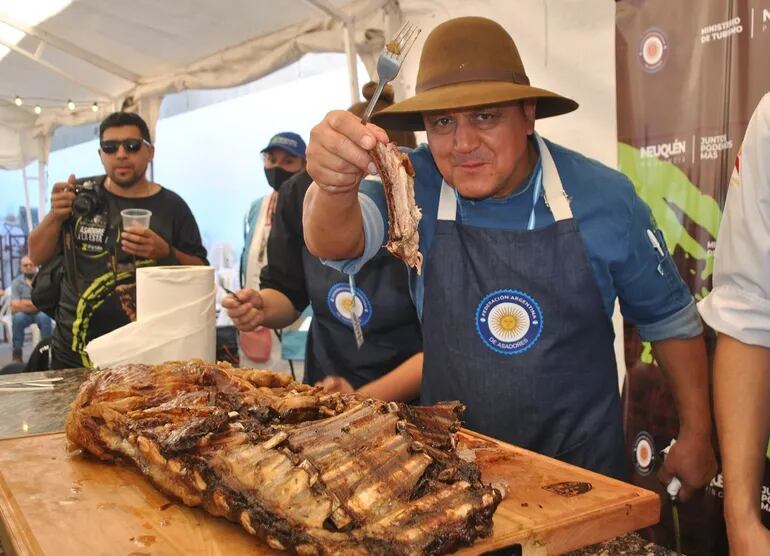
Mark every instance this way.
x=535 y=196
x=536 y=191
x=357 y=331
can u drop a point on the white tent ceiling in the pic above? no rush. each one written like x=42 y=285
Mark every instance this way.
x=105 y=52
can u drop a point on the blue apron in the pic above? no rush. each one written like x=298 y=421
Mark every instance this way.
x=388 y=318
x=515 y=328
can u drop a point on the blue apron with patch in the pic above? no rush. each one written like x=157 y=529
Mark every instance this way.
x=515 y=328
x=388 y=319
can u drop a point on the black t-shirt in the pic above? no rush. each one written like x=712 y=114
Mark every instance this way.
x=103 y=295
x=390 y=325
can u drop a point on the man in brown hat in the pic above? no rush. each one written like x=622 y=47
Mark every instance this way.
x=526 y=246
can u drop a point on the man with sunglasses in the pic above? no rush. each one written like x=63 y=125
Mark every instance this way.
x=101 y=295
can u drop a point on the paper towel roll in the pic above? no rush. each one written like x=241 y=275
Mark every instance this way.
x=161 y=288
x=175 y=308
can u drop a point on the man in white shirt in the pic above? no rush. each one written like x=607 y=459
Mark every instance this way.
x=738 y=308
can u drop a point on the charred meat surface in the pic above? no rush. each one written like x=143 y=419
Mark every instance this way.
x=304 y=471
x=397 y=174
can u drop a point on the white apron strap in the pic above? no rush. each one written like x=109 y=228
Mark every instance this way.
x=554 y=191
x=447 y=204
x=552 y=187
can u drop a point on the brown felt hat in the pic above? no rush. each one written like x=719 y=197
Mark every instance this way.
x=467 y=62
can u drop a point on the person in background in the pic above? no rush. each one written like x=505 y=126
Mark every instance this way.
x=516 y=294
x=738 y=308
x=24 y=311
x=101 y=296
x=283 y=157
x=294 y=279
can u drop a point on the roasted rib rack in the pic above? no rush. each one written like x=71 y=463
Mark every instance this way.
x=302 y=470
x=397 y=175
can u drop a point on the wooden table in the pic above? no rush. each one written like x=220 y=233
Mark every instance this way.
x=55 y=503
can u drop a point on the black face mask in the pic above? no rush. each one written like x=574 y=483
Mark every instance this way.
x=29 y=275
x=276 y=176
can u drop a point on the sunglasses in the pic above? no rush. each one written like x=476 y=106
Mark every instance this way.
x=129 y=145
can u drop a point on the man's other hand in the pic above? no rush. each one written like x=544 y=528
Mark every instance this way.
x=143 y=242
x=62 y=195
x=692 y=460
x=334 y=384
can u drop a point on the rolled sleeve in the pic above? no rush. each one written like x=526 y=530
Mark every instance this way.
x=683 y=324
x=374 y=222
x=739 y=304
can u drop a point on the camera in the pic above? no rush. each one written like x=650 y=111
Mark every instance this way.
x=88 y=196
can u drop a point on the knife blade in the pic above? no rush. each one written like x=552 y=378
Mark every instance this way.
x=677 y=532
x=672 y=488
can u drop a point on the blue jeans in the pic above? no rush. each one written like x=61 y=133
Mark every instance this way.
x=23 y=320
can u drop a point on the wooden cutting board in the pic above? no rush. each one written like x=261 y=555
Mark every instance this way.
x=56 y=503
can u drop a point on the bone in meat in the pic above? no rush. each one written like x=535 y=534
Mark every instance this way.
x=397 y=174
x=321 y=475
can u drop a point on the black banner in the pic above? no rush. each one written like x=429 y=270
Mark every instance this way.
x=689 y=75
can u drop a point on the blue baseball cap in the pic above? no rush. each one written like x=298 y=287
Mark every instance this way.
x=290 y=142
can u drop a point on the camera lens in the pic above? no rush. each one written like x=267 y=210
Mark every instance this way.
x=84 y=204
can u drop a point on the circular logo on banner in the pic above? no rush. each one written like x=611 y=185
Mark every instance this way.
x=643 y=453
x=653 y=50
x=509 y=321
x=341 y=304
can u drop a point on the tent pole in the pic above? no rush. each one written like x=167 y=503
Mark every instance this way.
x=350 y=42
x=350 y=52
x=42 y=190
x=28 y=211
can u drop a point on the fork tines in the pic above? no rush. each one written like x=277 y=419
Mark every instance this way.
x=403 y=40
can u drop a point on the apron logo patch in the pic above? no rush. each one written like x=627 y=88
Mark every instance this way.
x=643 y=453
x=340 y=304
x=509 y=321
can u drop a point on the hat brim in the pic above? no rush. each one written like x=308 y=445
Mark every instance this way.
x=284 y=148
x=407 y=114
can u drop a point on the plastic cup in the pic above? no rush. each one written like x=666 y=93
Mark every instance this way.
x=139 y=218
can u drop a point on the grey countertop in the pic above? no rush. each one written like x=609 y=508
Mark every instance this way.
x=44 y=411
x=37 y=412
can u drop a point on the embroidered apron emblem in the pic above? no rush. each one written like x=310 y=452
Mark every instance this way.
x=341 y=304
x=509 y=321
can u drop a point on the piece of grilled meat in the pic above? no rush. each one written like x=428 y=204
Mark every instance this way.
x=397 y=175
x=314 y=473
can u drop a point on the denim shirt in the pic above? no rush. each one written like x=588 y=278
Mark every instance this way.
x=615 y=224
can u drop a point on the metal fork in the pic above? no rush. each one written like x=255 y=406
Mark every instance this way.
x=390 y=60
x=388 y=66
